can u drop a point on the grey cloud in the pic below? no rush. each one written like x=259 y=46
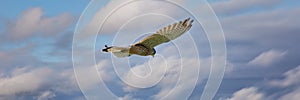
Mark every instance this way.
x=33 y=21
x=250 y=93
x=291 y=78
x=234 y=6
x=285 y=87
x=248 y=35
x=293 y=95
x=262 y=26
x=17 y=57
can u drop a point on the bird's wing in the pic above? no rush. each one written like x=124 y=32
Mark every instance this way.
x=167 y=33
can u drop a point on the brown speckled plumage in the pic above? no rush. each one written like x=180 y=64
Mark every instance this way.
x=140 y=50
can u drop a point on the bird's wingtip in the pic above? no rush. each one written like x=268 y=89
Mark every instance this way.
x=189 y=19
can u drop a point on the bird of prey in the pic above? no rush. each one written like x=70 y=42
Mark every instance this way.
x=145 y=47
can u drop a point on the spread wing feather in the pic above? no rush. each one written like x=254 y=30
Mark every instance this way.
x=167 y=33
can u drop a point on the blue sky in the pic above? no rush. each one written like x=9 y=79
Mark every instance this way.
x=36 y=38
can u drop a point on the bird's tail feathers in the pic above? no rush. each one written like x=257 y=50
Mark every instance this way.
x=106 y=49
x=112 y=49
x=117 y=51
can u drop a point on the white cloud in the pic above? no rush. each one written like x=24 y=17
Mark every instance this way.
x=171 y=76
x=46 y=95
x=34 y=21
x=127 y=97
x=64 y=82
x=291 y=83
x=268 y=57
x=289 y=89
x=131 y=10
x=294 y=95
x=87 y=76
x=250 y=93
x=229 y=68
x=149 y=73
x=37 y=81
x=25 y=82
x=181 y=90
x=291 y=78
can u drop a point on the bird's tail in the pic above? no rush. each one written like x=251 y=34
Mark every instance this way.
x=117 y=51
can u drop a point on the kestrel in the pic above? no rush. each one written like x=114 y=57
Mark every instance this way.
x=145 y=47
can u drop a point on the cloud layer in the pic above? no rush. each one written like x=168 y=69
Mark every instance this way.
x=267 y=58
x=262 y=36
x=33 y=21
